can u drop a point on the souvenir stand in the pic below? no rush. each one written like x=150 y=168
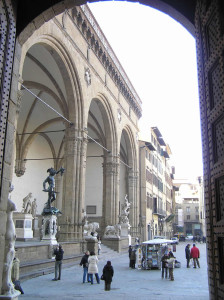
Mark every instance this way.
x=152 y=251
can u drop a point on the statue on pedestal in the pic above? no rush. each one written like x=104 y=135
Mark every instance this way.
x=51 y=190
x=49 y=227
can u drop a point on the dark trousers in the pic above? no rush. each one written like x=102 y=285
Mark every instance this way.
x=107 y=286
x=188 y=262
x=132 y=264
x=164 y=270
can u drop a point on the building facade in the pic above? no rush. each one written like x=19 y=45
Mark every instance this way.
x=189 y=208
x=156 y=187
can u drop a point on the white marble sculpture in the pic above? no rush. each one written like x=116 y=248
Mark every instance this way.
x=90 y=230
x=10 y=237
x=112 y=231
x=34 y=208
x=27 y=204
x=125 y=209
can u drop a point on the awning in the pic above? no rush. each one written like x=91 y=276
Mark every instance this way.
x=169 y=218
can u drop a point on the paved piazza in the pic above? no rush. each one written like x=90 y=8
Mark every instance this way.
x=127 y=283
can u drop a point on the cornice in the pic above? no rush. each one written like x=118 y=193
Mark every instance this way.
x=89 y=28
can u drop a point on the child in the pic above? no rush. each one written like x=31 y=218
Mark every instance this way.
x=108 y=273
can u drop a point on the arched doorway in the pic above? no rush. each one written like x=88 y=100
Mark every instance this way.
x=101 y=166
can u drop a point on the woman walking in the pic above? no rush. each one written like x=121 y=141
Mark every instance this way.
x=108 y=273
x=93 y=268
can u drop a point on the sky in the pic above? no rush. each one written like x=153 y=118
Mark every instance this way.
x=159 y=56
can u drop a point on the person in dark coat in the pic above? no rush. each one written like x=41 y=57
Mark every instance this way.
x=129 y=254
x=108 y=273
x=188 y=254
x=84 y=263
x=133 y=259
x=58 y=252
x=164 y=259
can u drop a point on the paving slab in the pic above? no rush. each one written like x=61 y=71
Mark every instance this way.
x=127 y=283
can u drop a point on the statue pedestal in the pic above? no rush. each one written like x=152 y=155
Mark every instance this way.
x=125 y=228
x=13 y=296
x=49 y=229
x=36 y=229
x=23 y=225
x=92 y=245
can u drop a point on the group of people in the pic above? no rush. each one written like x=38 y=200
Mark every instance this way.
x=168 y=264
x=89 y=262
x=194 y=254
x=90 y=267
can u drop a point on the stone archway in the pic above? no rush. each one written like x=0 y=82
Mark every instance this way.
x=101 y=164
x=129 y=176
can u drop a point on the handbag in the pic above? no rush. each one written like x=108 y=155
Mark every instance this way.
x=102 y=277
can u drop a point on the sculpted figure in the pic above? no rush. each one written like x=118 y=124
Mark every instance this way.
x=10 y=236
x=27 y=204
x=90 y=229
x=113 y=231
x=34 y=207
x=51 y=185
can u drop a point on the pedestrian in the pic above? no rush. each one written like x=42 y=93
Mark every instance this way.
x=188 y=255
x=58 y=252
x=108 y=273
x=99 y=245
x=133 y=259
x=129 y=254
x=195 y=254
x=171 y=264
x=93 y=268
x=84 y=263
x=164 y=259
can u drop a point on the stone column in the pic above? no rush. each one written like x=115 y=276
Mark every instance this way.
x=133 y=197
x=70 y=221
x=110 y=190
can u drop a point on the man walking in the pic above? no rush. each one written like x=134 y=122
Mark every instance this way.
x=195 y=254
x=58 y=252
x=188 y=254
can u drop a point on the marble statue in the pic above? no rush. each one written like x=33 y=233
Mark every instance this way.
x=34 y=208
x=10 y=237
x=113 y=231
x=125 y=210
x=90 y=230
x=27 y=204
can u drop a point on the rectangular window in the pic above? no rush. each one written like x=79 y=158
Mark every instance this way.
x=188 y=209
x=91 y=209
x=188 y=217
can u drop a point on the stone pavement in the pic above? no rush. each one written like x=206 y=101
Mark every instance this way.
x=127 y=283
